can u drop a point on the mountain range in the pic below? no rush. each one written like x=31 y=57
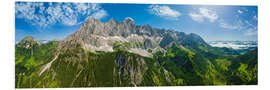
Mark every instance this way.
x=116 y=54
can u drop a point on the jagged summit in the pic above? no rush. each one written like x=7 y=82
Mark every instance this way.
x=129 y=20
x=111 y=21
x=98 y=36
x=91 y=20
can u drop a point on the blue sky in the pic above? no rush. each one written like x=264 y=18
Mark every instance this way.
x=50 y=21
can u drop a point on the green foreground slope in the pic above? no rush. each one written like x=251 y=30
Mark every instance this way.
x=76 y=67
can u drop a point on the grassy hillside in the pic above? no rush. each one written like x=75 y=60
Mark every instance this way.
x=178 y=66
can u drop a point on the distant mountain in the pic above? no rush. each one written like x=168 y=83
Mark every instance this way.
x=239 y=46
x=43 y=41
x=124 y=54
x=28 y=42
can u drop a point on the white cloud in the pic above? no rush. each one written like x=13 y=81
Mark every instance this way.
x=164 y=11
x=239 y=11
x=204 y=14
x=196 y=17
x=250 y=25
x=209 y=14
x=246 y=27
x=251 y=32
x=228 y=26
x=235 y=25
x=255 y=17
x=251 y=29
x=36 y=13
x=27 y=11
x=100 y=14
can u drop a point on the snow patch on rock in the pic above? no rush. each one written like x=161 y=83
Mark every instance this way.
x=47 y=66
x=141 y=52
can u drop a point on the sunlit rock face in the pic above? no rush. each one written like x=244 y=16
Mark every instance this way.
x=94 y=36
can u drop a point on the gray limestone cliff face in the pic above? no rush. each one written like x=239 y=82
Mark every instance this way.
x=133 y=68
x=94 y=35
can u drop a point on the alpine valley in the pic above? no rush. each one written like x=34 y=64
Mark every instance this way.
x=123 y=54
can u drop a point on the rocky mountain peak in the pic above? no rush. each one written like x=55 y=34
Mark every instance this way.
x=91 y=20
x=196 y=37
x=129 y=20
x=111 y=21
x=193 y=39
x=28 y=42
x=95 y=35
